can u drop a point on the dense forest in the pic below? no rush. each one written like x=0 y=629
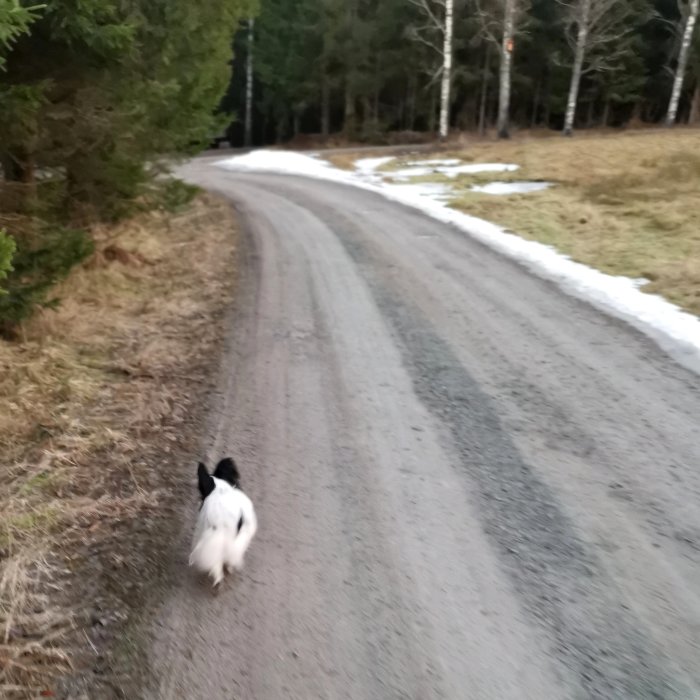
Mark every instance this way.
x=92 y=92
x=366 y=68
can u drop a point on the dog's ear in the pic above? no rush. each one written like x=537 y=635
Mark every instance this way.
x=205 y=481
x=227 y=471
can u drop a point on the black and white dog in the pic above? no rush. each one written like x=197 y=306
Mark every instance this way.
x=226 y=523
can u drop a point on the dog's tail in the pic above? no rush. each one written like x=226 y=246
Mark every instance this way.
x=236 y=547
x=209 y=554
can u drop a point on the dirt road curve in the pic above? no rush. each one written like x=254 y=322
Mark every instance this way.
x=469 y=485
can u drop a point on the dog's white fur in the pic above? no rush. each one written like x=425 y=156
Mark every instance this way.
x=218 y=544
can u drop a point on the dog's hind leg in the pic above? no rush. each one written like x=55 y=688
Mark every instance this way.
x=217 y=574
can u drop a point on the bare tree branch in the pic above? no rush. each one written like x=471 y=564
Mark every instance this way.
x=415 y=34
x=599 y=33
x=489 y=24
x=424 y=6
x=444 y=28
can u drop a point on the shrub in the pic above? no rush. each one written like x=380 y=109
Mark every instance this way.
x=7 y=250
x=175 y=194
x=41 y=258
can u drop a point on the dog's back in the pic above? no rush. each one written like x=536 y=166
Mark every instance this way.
x=226 y=523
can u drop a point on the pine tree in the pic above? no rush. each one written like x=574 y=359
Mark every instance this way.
x=622 y=83
x=289 y=42
x=92 y=93
x=15 y=20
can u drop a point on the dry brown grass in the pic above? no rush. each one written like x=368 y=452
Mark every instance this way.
x=628 y=205
x=625 y=203
x=93 y=391
x=345 y=160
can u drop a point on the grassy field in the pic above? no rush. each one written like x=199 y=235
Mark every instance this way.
x=98 y=404
x=627 y=204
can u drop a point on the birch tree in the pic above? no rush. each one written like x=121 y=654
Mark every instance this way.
x=499 y=22
x=690 y=21
x=598 y=32
x=439 y=16
x=580 y=16
x=506 y=73
x=248 y=137
x=447 y=70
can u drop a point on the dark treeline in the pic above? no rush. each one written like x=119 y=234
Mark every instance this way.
x=365 y=68
x=92 y=93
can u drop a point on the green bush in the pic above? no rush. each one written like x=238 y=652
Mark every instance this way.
x=105 y=188
x=7 y=250
x=174 y=195
x=40 y=261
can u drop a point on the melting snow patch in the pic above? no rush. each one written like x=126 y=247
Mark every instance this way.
x=451 y=168
x=510 y=187
x=446 y=161
x=674 y=330
x=405 y=173
x=366 y=164
x=369 y=166
x=473 y=168
x=287 y=162
x=428 y=190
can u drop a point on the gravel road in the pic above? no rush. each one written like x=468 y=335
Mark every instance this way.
x=469 y=485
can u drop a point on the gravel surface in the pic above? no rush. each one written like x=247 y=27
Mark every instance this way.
x=468 y=484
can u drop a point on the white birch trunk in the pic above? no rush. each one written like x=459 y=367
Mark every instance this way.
x=248 y=134
x=506 y=69
x=579 y=54
x=446 y=71
x=682 y=62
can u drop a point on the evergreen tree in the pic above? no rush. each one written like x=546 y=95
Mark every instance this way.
x=14 y=21
x=367 y=68
x=289 y=54
x=92 y=93
x=7 y=249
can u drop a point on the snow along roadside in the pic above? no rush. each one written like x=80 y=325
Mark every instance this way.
x=674 y=330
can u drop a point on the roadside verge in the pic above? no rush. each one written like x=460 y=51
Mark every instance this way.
x=102 y=403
